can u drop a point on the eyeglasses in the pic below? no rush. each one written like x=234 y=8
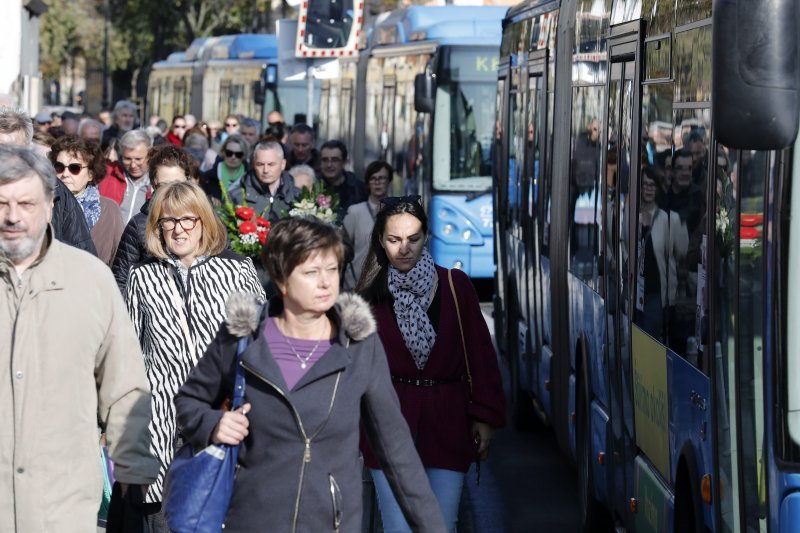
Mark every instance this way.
x=377 y=177
x=179 y=126
x=231 y=124
x=331 y=159
x=275 y=123
x=391 y=201
x=231 y=153
x=187 y=223
x=74 y=168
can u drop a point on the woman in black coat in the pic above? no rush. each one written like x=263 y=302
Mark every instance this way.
x=313 y=370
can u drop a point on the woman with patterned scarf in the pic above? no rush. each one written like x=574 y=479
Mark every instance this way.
x=79 y=163
x=443 y=364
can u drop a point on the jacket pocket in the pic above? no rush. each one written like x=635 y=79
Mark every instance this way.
x=336 y=502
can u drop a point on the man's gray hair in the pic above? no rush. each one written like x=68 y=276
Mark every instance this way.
x=134 y=138
x=89 y=122
x=123 y=104
x=303 y=169
x=251 y=123
x=268 y=145
x=18 y=162
x=13 y=119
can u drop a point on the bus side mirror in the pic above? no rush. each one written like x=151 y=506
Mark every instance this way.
x=756 y=78
x=424 y=91
x=258 y=93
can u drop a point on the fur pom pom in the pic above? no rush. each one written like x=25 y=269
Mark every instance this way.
x=242 y=310
x=356 y=316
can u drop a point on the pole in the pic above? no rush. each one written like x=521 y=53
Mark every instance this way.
x=105 y=100
x=310 y=93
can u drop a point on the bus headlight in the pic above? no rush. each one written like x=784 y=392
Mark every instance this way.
x=453 y=228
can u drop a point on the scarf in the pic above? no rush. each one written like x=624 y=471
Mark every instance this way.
x=227 y=177
x=89 y=201
x=411 y=292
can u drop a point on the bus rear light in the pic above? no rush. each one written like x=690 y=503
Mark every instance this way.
x=633 y=504
x=601 y=458
x=573 y=417
x=547 y=384
x=705 y=488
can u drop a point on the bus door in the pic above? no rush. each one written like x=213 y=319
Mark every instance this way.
x=621 y=165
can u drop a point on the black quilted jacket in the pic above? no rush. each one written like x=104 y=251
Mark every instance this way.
x=131 y=248
x=69 y=224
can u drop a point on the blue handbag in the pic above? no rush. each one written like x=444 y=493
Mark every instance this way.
x=198 y=486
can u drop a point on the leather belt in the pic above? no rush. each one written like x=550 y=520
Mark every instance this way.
x=423 y=382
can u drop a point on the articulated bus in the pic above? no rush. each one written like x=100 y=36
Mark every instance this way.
x=220 y=76
x=646 y=229
x=420 y=95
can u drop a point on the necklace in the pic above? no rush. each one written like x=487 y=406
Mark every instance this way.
x=303 y=360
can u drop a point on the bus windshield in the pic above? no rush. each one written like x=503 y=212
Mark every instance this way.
x=464 y=118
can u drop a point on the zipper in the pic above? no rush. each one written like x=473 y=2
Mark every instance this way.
x=336 y=497
x=306 y=439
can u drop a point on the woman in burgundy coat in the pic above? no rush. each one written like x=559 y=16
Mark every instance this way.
x=451 y=397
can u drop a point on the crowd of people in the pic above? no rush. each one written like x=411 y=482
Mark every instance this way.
x=136 y=349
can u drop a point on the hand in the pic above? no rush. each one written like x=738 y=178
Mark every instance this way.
x=483 y=433
x=232 y=427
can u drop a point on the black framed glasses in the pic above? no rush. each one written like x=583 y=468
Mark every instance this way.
x=231 y=153
x=391 y=201
x=169 y=223
x=74 y=168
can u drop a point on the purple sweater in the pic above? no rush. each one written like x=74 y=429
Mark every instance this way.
x=287 y=360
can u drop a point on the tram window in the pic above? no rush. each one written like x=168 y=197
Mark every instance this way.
x=371 y=123
x=532 y=144
x=692 y=56
x=591 y=28
x=585 y=185
x=657 y=56
x=626 y=10
x=688 y=12
x=659 y=15
x=688 y=209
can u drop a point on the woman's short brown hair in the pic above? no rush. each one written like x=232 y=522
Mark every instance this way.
x=88 y=150
x=292 y=240
x=180 y=197
x=169 y=155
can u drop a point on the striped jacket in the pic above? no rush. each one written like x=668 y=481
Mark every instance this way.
x=170 y=352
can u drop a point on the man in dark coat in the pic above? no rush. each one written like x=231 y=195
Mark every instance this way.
x=347 y=186
x=267 y=188
x=69 y=224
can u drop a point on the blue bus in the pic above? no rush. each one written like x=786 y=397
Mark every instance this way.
x=646 y=232
x=227 y=75
x=420 y=95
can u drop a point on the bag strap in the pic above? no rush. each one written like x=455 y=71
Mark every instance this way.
x=177 y=302
x=460 y=328
x=238 y=384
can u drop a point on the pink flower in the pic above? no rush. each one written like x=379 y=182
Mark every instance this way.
x=324 y=201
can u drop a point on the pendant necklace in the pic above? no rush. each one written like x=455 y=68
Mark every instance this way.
x=303 y=360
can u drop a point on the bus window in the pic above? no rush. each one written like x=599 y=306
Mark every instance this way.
x=515 y=150
x=688 y=12
x=585 y=187
x=533 y=135
x=692 y=58
x=687 y=206
x=464 y=118
x=659 y=15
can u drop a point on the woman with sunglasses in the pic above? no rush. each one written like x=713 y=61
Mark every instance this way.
x=441 y=358
x=231 y=167
x=176 y=300
x=80 y=165
x=177 y=131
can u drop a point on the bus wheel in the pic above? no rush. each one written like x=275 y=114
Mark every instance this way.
x=687 y=517
x=593 y=516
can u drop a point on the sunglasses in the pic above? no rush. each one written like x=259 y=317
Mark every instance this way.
x=231 y=124
x=391 y=201
x=231 y=153
x=74 y=168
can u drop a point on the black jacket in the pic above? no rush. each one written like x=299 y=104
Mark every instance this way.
x=350 y=192
x=131 y=249
x=257 y=196
x=69 y=224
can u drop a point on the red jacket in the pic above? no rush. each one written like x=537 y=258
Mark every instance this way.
x=114 y=184
x=440 y=416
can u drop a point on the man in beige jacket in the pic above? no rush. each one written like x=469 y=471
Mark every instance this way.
x=69 y=359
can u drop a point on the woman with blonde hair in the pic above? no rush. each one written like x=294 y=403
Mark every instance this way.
x=176 y=300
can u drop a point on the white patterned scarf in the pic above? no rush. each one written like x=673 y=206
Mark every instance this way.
x=411 y=291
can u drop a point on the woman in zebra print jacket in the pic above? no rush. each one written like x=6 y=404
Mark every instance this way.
x=176 y=300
